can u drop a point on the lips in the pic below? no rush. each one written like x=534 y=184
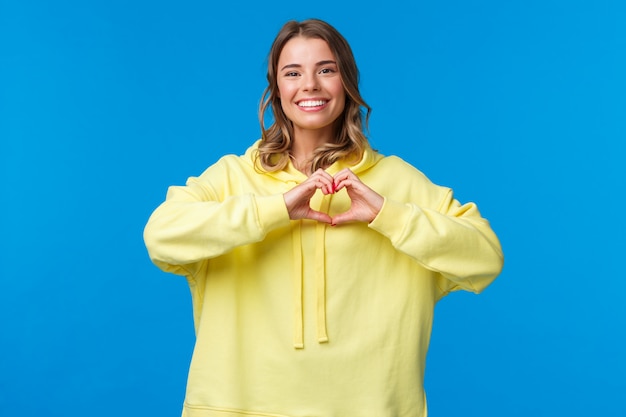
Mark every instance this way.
x=312 y=103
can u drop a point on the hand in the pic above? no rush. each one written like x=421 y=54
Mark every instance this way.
x=365 y=202
x=298 y=199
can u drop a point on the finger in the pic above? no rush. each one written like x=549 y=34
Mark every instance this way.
x=322 y=175
x=342 y=218
x=345 y=183
x=300 y=192
x=344 y=174
x=319 y=216
x=323 y=181
x=344 y=178
x=324 y=185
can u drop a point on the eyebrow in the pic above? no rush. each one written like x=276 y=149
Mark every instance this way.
x=326 y=62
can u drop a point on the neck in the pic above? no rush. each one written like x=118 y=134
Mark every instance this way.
x=305 y=143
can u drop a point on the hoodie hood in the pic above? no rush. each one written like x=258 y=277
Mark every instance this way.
x=290 y=173
x=292 y=177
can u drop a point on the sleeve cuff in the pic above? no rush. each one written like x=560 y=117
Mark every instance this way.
x=392 y=219
x=271 y=212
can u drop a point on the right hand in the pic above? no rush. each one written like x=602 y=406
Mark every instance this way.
x=298 y=199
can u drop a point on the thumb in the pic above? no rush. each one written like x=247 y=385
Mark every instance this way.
x=319 y=216
x=342 y=218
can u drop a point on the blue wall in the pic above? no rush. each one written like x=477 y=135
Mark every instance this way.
x=519 y=106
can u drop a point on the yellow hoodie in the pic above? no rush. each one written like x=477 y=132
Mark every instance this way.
x=304 y=319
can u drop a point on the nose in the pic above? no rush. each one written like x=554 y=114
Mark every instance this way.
x=310 y=82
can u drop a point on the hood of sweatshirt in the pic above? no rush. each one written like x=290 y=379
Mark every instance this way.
x=291 y=177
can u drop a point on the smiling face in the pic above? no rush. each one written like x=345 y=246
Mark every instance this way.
x=311 y=93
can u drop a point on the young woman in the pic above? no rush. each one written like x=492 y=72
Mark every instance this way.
x=314 y=262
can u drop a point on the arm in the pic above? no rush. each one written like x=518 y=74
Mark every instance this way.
x=448 y=238
x=453 y=240
x=193 y=224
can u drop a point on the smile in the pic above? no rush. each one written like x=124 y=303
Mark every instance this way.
x=312 y=103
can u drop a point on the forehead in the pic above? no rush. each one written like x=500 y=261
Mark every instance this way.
x=301 y=50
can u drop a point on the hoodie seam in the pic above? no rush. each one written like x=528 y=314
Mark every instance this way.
x=234 y=411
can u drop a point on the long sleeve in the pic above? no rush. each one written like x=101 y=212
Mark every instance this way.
x=195 y=222
x=453 y=240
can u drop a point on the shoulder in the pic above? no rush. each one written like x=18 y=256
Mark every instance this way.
x=230 y=162
x=395 y=165
x=397 y=178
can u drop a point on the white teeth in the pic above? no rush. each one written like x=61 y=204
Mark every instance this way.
x=311 y=103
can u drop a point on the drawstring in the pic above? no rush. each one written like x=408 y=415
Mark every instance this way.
x=320 y=279
x=298 y=331
x=320 y=274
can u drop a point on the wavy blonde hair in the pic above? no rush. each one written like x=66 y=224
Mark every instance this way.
x=350 y=140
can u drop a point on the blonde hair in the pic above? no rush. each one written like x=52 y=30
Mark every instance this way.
x=350 y=140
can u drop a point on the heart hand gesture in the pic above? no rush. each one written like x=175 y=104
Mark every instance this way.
x=365 y=202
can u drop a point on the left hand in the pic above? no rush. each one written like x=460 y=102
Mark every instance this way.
x=365 y=202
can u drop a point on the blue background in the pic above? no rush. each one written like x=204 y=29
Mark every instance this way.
x=517 y=105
